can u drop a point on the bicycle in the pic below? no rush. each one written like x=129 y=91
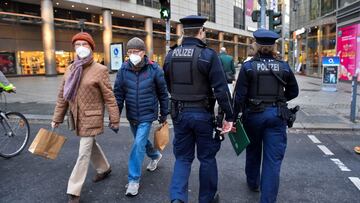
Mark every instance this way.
x=14 y=132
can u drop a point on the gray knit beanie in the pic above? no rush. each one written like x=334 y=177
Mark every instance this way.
x=135 y=43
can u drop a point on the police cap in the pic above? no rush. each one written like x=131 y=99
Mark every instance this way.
x=265 y=37
x=193 y=21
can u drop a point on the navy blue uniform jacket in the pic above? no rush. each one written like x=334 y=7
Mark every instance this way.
x=244 y=80
x=209 y=64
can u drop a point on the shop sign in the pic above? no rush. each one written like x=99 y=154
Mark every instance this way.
x=116 y=56
x=7 y=63
x=348 y=50
x=330 y=73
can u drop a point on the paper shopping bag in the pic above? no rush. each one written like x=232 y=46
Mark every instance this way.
x=47 y=144
x=161 y=136
x=239 y=139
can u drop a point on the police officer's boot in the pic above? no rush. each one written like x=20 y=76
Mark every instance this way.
x=216 y=198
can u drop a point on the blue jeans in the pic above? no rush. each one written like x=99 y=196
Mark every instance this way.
x=267 y=134
x=192 y=128
x=140 y=146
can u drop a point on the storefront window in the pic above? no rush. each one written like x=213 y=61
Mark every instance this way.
x=99 y=57
x=63 y=60
x=312 y=57
x=7 y=63
x=32 y=62
x=328 y=41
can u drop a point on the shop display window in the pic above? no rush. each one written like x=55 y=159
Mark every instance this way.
x=32 y=62
x=63 y=60
x=328 y=41
x=312 y=57
x=7 y=63
x=98 y=57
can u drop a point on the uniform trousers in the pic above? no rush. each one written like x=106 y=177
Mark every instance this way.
x=268 y=140
x=193 y=128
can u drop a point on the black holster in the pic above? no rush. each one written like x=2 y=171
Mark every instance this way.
x=174 y=109
x=289 y=115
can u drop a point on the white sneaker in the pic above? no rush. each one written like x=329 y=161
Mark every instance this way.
x=132 y=189
x=153 y=164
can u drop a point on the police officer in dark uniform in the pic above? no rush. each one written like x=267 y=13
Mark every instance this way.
x=195 y=77
x=263 y=87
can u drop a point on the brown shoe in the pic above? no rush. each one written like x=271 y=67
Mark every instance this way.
x=74 y=199
x=99 y=177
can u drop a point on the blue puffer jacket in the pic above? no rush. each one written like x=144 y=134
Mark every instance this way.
x=142 y=91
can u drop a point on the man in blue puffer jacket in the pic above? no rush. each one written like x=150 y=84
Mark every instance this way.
x=140 y=83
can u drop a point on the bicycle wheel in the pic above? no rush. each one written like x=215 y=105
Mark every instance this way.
x=14 y=134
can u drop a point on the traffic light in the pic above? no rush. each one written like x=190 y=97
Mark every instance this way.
x=165 y=9
x=255 y=16
x=274 y=21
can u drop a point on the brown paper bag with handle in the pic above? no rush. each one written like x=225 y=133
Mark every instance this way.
x=47 y=144
x=161 y=136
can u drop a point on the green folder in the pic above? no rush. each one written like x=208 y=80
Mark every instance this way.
x=239 y=139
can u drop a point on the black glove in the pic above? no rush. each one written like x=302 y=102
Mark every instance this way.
x=116 y=130
x=162 y=119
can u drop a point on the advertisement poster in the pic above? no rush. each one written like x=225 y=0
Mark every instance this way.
x=330 y=72
x=249 y=7
x=347 y=50
x=330 y=75
x=116 y=56
x=7 y=63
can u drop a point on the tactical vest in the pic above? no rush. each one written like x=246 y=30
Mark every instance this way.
x=187 y=83
x=265 y=87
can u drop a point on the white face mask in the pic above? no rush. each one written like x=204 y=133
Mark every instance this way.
x=82 y=52
x=135 y=59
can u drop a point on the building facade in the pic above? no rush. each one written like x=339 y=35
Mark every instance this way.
x=313 y=30
x=35 y=35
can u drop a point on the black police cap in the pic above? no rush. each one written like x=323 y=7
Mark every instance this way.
x=265 y=37
x=193 y=21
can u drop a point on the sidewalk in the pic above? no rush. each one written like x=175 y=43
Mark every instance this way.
x=36 y=97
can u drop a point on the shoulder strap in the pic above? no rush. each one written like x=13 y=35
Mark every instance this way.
x=278 y=77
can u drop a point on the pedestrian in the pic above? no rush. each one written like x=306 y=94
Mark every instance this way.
x=227 y=62
x=192 y=70
x=141 y=85
x=250 y=52
x=84 y=89
x=264 y=87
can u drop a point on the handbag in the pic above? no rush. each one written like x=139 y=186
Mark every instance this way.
x=161 y=136
x=47 y=144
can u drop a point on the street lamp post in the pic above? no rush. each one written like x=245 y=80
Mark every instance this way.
x=82 y=24
x=353 y=98
x=262 y=4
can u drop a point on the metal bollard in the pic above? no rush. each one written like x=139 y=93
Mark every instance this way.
x=353 y=98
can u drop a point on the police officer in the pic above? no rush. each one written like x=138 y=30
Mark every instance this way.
x=195 y=77
x=263 y=87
